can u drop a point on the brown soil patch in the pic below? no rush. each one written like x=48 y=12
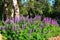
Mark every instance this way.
x=55 y=38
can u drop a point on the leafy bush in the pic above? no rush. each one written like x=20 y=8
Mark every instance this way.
x=30 y=29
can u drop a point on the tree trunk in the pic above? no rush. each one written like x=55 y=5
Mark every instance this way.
x=16 y=9
x=5 y=10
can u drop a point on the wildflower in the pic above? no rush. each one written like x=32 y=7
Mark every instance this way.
x=37 y=17
x=54 y=22
x=17 y=19
x=23 y=27
x=47 y=20
x=22 y=17
x=15 y=28
x=11 y=21
x=2 y=28
x=30 y=20
x=44 y=20
x=31 y=31
x=41 y=25
x=27 y=18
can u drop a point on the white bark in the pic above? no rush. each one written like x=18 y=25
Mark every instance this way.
x=15 y=9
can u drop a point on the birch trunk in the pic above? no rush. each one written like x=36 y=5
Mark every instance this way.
x=15 y=11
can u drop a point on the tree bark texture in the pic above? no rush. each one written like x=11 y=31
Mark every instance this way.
x=5 y=10
x=16 y=9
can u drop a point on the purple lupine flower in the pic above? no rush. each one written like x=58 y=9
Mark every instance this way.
x=31 y=31
x=30 y=20
x=15 y=28
x=2 y=28
x=17 y=19
x=41 y=25
x=27 y=18
x=22 y=17
x=47 y=20
x=37 y=17
x=23 y=27
x=44 y=19
x=54 y=22
x=11 y=21
x=50 y=20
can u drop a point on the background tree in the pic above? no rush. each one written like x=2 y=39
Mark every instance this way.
x=57 y=5
x=56 y=13
x=1 y=9
x=57 y=8
x=5 y=10
x=34 y=7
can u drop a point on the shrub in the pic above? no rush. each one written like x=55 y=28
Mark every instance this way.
x=30 y=29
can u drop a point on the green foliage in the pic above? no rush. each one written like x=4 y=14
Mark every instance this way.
x=37 y=7
x=1 y=9
x=57 y=6
x=16 y=32
x=23 y=10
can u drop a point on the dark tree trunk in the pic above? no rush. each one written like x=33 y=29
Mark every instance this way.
x=29 y=12
x=5 y=10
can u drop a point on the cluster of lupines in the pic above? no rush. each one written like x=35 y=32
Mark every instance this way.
x=48 y=21
x=28 y=28
x=37 y=17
